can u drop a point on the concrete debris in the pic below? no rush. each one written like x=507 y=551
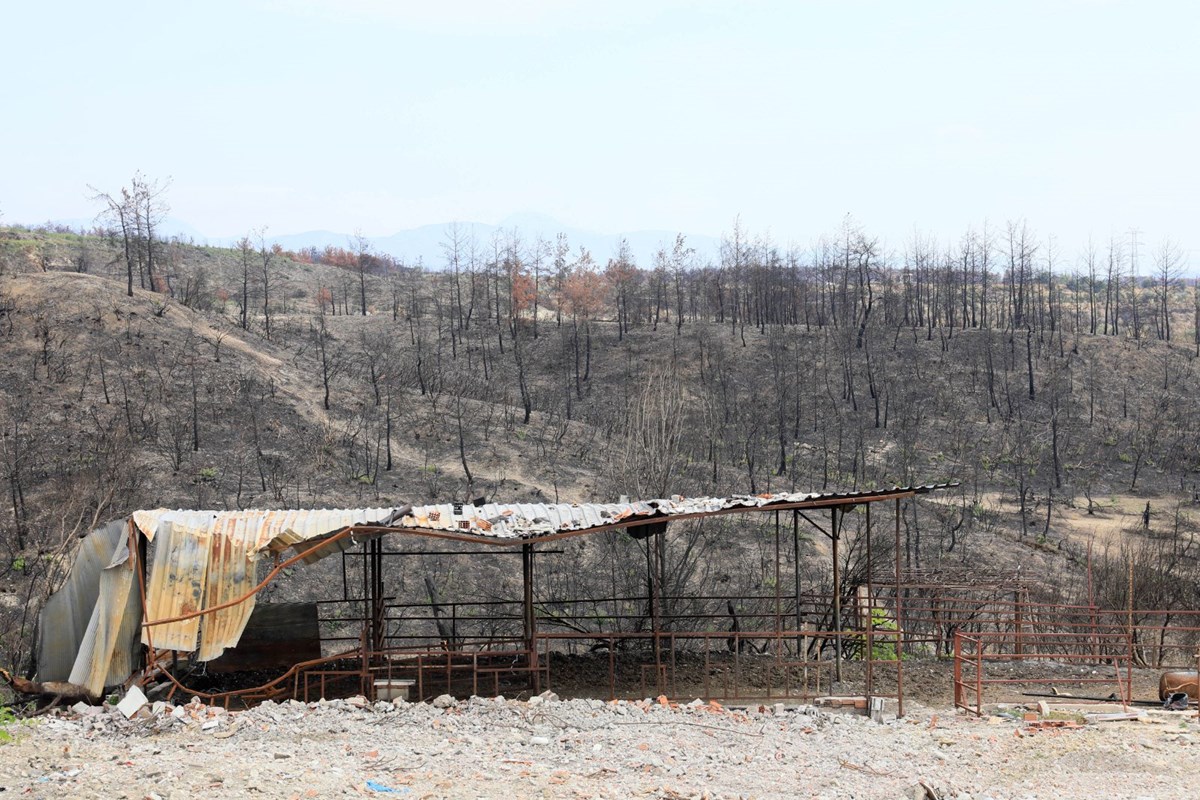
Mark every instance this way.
x=133 y=702
x=1118 y=717
x=1053 y=725
x=576 y=748
x=86 y=709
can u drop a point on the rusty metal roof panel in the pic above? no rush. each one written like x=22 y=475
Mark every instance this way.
x=200 y=559
x=204 y=559
x=260 y=527
x=148 y=521
x=236 y=540
x=175 y=586
x=230 y=575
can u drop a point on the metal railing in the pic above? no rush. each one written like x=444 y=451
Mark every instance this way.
x=974 y=653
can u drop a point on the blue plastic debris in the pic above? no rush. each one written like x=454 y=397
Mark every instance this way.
x=376 y=786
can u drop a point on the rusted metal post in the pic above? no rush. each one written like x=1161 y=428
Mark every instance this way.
x=979 y=677
x=836 y=533
x=778 y=598
x=364 y=639
x=899 y=624
x=958 y=684
x=1018 y=625
x=1129 y=616
x=935 y=605
x=378 y=603
x=870 y=657
x=345 y=578
x=664 y=609
x=655 y=593
x=364 y=664
x=530 y=616
x=796 y=579
x=1092 y=607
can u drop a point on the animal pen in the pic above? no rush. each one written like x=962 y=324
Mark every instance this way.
x=171 y=598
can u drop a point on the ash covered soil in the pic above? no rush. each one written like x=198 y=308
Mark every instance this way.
x=587 y=749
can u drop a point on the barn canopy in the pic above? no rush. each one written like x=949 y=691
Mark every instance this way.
x=199 y=583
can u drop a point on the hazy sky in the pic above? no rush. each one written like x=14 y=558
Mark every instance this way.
x=1082 y=117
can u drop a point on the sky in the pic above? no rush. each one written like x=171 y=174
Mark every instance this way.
x=1078 y=116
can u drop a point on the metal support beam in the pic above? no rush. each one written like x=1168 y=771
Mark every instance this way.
x=530 y=615
x=378 y=598
x=835 y=527
x=778 y=597
x=899 y=624
x=796 y=580
x=870 y=657
x=654 y=568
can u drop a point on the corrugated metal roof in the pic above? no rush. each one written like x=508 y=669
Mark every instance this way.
x=238 y=539
x=215 y=565
x=530 y=521
x=175 y=584
x=201 y=559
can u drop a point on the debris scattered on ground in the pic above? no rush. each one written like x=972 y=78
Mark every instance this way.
x=652 y=747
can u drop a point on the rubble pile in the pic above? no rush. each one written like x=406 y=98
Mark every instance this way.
x=485 y=747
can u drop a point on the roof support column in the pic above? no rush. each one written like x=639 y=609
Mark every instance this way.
x=378 y=601
x=529 y=615
x=654 y=600
x=800 y=649
x=870 y=620
x=778 y=596
x=835 y=530
x=899 y=624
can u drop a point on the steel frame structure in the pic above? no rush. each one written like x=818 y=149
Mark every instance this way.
x=979 y=619
x=380 y=655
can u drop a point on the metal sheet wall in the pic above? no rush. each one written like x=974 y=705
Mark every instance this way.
x=67 y=614
x=107 y=654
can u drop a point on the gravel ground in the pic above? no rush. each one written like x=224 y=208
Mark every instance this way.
x=587 y=749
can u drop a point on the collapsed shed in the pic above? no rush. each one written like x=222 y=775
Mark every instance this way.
x=161 y=586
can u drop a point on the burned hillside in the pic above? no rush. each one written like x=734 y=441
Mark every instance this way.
x=1063 y=403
